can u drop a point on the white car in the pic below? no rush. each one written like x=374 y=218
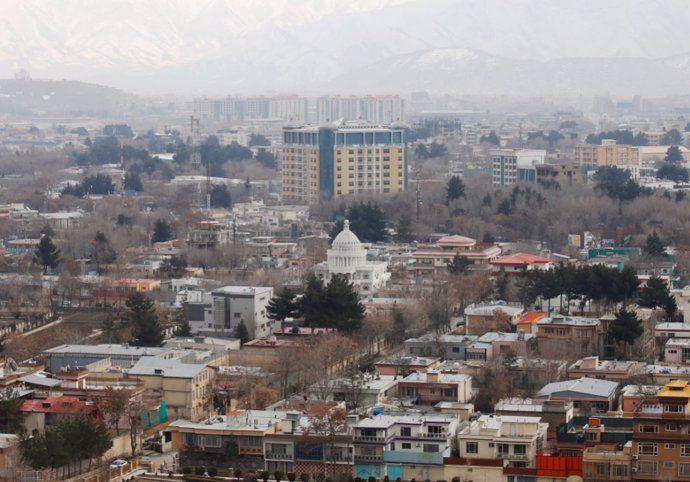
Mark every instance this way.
x=119 y=463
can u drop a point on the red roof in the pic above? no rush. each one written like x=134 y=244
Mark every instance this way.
x=61 y=404
x=531 y=317
x=520 y=259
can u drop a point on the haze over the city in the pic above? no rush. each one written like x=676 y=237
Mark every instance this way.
x=209 y=47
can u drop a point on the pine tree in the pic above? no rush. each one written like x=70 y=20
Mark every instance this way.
x=147 y=330
x=161 y=231
x=455 y=189
x=654 y=246
x=313 y=301
x=625 y=328
x=132 y=182
x=283 y=306
x=241 y=332
x=344 y=310
x=656 y=294
x=47 y=254
x=458 y=265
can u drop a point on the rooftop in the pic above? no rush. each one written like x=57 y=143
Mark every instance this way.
x=166 y=368
x=488 y=309
x=106 y=350
x=419 y=377
x=238 y=420
x=585 y=385
x=241 y=290
x=521 y=259
x=675 y=389
x=568 y=320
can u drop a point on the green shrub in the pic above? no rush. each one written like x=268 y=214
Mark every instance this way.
x=278 y=475
x=264 y=476
x=291 y=476
x=237 y=473
x=186 y=470
x=212 y=471
x=198 y=470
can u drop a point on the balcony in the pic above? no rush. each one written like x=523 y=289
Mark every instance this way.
x=370 y=438
x=347 y=458
x=277 y=456
x=509 y=456
x=368 y=458
x=435 y=436
x=415 y=458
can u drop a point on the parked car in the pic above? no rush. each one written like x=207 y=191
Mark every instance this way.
x=118 y=463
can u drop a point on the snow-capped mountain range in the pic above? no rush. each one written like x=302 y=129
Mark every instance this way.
x=253 y=46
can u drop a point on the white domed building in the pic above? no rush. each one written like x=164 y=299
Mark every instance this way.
x=348 y=257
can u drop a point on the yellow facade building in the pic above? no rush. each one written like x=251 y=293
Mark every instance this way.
x=322 y=163
x=608 y=153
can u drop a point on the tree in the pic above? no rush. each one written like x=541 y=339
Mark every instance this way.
x=625 y=328
x=283 y=306
x=656 y=294
x=11 y=415
x=47 y=254
x=241 y=332
x=120 y=130
x=490 y=138
x=174 y=267
x=344 y=309
x=437 y=150
x=258 y=140
x=367 y=221
x=458 y=265
x=455 y=189
x=132 y=182
x=329 y=427
x=313 y=301
x=268 y=159
x=114 y=404
x=673 y=154
x=672 y=137
x=141 y=313
x=102 y=251
x=421 y=151
x=654 y=246
x=404 y=228
x=162 y=231
x=672 y=172
x=220 y=197
x=99 y=185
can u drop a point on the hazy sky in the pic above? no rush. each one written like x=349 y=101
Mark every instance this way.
x=204 y=45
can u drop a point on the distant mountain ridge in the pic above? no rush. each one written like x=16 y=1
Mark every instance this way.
x=220 y=47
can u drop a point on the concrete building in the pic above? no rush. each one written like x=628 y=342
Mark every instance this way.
x=321 y=163
x=563 y=174
x=677 y=350
x=567 y=337
x=430 y=259
x=661 y=440
x=381 y=109
x=185 y=387
x=514 y=440
x=446 y=346
x=496 y=316
x=349 y=258
x=511 y=166
x=613 y=370
x=496 y=344
x=589 y=395
x=608 y=153
x=432 y=387
x=607 y=462
x=74 y=356
x=235 y=304
x=403 y=446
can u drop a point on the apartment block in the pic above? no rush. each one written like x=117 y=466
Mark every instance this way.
x=608 y=153
x=382 y=109
x=661 y=437
x=511 y=166
x=403 y=446
x=320 y=163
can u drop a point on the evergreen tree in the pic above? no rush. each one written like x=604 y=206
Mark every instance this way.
x=491 y=138
x=174 y=267
x=343 y=308
x=672 y=172
x=220 y=197
x=313 y=302
x=673 y=154
x=11 y=415
x=625 y=328
x=241 y=332
x=421 y=151
x=458 y=265
x=146 y=329
x=47 y=254
x=404 y=229
x=283 y=305
x=102 y=251
x=672 y=137
x=656 y=294
x=455 y=189
x=654 y=246
x=367 y=221
x=132 y=182
x=162 y=231
x=437 y=150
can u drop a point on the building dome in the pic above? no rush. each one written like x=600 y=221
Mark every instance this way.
x=346 y=252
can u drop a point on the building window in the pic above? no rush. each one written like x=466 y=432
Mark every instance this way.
x=602 y=469
x=520 y=449
x=648 y=428
x=472 y=447
x=646 y=467
x=684 y=469
x=671 y=427
x=405 y=432
x=647 y=448
x=673 y=408
x=406 y=446
x=669 y=446
x=430 y=448
x=685 y=450
x=620 y=470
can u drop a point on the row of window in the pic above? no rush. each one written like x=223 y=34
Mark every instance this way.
x=652 y=448
x=651 y=467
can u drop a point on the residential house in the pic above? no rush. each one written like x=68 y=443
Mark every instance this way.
x=515 y=440
x=590 y=395
x=567 y=337
x=519 y=263
x=403 y=365
x=405 y=446
x=74 y=356
x=677 y=350
x=614 y=370
x=445 y=346
x=607 y=462
x=432 y=259
x=433 y=387
x=498 y=344
x=486 y=317
x=551 y=412
x=186 y=387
